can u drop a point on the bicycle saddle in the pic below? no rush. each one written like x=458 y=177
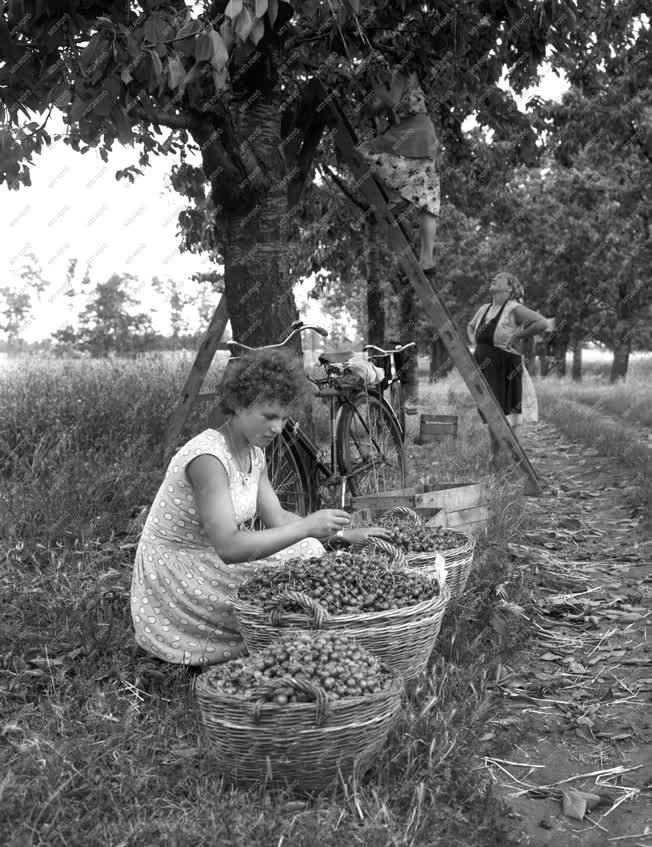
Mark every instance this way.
x=334 y=358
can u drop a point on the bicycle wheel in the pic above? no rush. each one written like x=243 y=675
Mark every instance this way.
x=397 y=401
x=288 y=476
x=369 y=445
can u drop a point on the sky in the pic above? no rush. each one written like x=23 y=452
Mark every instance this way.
x=76 y=209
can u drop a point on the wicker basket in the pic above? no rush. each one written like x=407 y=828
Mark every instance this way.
x=456 y=562
x=402 y=638
x=303 y=744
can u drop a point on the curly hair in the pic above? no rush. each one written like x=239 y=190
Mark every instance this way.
x=265 y=376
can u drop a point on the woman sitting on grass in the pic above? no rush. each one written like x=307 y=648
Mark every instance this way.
x=195 y=548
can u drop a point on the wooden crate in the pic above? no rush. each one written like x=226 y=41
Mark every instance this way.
x=436 y=428
x=456 y=505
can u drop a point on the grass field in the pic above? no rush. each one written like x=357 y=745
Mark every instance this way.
x=95 y=748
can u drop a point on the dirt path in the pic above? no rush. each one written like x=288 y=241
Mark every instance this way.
x=579 y=697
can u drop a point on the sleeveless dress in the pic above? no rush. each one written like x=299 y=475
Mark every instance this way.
x=179 y=583
x=502 y=369
x=503 y=366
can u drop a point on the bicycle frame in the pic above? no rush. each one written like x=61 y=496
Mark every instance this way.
x=393 y=374
x=327 y=388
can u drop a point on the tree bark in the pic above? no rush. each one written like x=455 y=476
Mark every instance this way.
x=620 y=361
x=576 y=368
x=375 y=307
x=559 y=349
x=246 y=168
x=441 y=363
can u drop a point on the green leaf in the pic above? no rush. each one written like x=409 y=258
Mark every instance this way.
x=244 y=24
x=176 y=71
x=261 y=8
x=156 y=77
x=272 y=11
x=189 y=29
x=233 y=8
x=226 y=31
x=257 y=31
x=125 y=76
x=219 y=79
x=122 y=124
x=220 y=54
x=156 y=28
x=78 y=108
x=203 y=47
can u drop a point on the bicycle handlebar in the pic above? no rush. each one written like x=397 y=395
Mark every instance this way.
x=297 y=328
x=397 y=349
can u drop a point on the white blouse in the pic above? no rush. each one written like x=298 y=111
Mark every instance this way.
x=505 y=327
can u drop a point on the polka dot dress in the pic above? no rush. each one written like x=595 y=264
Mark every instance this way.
x=179 y=583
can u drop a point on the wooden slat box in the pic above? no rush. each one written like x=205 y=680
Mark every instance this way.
x=436 y=428
x=456 y=505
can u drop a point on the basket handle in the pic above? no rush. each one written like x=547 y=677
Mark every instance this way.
x=314 y=609
x=373 y=542
x=405 y=511
x=316 y=692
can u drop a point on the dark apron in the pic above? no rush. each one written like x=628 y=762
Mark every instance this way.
x=502 y=370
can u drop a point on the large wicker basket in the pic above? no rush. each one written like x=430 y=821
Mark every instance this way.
x=403 y=638
x=456 y=562
x=306 y=745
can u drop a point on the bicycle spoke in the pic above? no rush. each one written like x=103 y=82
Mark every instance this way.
x=375 y=458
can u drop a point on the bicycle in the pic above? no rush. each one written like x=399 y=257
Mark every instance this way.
x=366 y=441
x=392 y=379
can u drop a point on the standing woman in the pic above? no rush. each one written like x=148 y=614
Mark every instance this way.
x=196 y=546
x=496 y=329
x=405 y=154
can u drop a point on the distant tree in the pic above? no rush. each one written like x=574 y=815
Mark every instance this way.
x=106 y=325
x=17 y=299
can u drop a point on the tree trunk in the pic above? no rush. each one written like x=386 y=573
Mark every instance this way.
x=620 y=361
x=559 y=348
x=544 y=364
x=576 y=369
x=441 y=363
x=407 y=332
x=528 y=353
x=259 y=297
x=375 y=307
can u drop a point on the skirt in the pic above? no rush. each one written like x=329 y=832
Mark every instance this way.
x=414 y=180
x=504 y=373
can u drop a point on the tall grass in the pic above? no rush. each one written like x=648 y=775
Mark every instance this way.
x=101 y=748
x=629 y=402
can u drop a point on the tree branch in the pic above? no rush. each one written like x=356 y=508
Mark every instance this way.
x=301 y=170
x=161 y=118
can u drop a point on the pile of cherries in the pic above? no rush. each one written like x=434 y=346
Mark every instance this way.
x=343 y=583
x=334 y=662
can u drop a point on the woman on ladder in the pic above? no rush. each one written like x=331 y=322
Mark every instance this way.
x=405 y=153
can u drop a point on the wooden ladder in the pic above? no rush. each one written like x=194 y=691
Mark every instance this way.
x=346 y=142
x=210 y=343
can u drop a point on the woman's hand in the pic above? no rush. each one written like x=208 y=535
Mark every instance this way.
x=513 y=341
x=360 y=534
x=326 y=522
